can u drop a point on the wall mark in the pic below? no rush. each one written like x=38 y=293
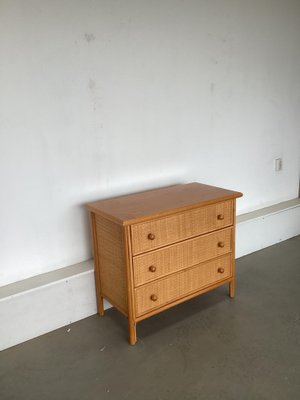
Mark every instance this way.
x=89 y=37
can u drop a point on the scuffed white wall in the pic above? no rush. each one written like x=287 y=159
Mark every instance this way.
x=100 y=98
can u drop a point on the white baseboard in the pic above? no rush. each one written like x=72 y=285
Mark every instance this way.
x=31 y=308
x=38 y=305
x=267 y=226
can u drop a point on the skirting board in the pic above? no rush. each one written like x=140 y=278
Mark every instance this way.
x=38 y=305
x=267 y=226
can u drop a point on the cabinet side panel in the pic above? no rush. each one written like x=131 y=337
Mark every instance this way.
x=112 y=262
x=96 y=264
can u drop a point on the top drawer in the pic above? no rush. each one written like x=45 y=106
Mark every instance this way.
x=160 y=232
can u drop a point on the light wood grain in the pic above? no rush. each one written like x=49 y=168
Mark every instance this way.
x=181 y=284
x=156 y=249
x=180 y=226
x=152 y=204
x=130 y=286
x=96 y=264
x=158 y=263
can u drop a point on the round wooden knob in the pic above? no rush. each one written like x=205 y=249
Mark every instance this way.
x=221 y=270
x=220 y=217
x=221 y=244
x=151 y=236
x=153 y=297
x=152 y=268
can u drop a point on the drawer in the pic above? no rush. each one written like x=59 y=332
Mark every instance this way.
x=176 y=286
x=155 y=264
x=163 y=231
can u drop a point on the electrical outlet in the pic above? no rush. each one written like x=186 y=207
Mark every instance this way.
x=278 y=164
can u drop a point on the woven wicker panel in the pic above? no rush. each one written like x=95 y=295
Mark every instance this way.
x=180 y=284
x=112 y=262
x=180 y=226
x=158 y=263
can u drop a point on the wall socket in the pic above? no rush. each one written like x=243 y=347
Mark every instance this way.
x=278 y=164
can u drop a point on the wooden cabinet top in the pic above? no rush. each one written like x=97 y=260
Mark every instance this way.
x=138 y=207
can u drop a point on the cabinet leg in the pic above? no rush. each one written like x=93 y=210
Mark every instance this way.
x=100 y=306
x=132 y=332
x=232 y=289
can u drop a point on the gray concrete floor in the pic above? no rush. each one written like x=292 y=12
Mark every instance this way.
x=208 y=348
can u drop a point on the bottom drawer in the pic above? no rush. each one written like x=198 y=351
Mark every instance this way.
x=183 y=283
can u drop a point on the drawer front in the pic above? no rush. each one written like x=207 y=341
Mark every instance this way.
x=160 y=232
x=155 y=264
x=176 y=286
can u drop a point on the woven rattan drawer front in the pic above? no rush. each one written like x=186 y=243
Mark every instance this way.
x=167 y=230
x=163 y=291
x=157 y=263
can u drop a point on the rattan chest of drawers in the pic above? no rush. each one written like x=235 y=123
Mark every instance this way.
x=158 y=248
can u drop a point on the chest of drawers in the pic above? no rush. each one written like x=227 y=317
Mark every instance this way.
x=156 y=249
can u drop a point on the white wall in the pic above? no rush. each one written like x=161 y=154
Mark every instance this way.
x=99 y=98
